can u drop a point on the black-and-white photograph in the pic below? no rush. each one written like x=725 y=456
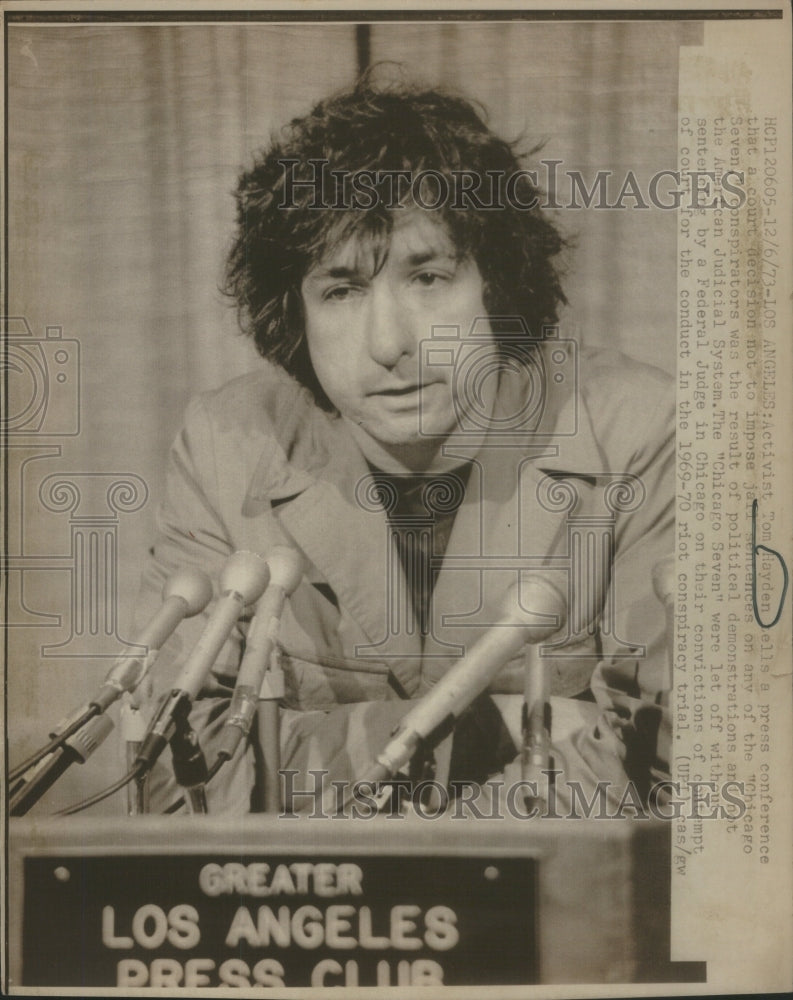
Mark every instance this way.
x=369 y=586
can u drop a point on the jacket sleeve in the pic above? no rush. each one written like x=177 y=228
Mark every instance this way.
x=191 y=533
x=632 y=734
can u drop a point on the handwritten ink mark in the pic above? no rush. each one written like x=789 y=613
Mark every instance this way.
x=772 y=552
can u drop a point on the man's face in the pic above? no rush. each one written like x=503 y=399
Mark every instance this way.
x=364 y=332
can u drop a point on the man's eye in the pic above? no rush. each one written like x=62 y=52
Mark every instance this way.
x=338 y=293
x=427 y=279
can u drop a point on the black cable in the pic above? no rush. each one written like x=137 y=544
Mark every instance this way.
x=31 y=791
x=14 y=787
x=220 y=760
x=100 y=796
x=57 y=741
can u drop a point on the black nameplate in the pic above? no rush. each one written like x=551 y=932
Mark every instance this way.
x=222 y=920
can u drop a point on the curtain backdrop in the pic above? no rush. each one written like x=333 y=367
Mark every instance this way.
x=124 y=147
x=598 y=96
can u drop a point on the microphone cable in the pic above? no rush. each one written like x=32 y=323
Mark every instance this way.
x=105 y=794
x=136 y=772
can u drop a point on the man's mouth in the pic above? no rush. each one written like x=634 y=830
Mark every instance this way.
x=404 y=390
x=401 y=390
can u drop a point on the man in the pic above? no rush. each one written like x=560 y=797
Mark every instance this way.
x=423 y=435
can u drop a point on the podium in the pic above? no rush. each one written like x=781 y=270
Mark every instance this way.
x=157 y=902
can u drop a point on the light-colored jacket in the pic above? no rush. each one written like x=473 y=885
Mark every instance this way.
x=582 y=494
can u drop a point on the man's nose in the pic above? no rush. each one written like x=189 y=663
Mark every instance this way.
x=390 y=328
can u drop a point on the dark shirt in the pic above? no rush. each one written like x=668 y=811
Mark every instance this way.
x=421 y=511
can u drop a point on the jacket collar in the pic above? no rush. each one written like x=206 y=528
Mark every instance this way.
x=310 y=469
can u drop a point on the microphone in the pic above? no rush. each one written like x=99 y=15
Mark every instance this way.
x=186 y=593
x=78 y=747
x=467 y=679
x=133 y=732
x=242 y=581
x=536 y=753
x=286 y=570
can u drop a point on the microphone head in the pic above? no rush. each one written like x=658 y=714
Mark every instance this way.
x=246 y=573
x=193 y=586
x=535 y=599
x=286 y=568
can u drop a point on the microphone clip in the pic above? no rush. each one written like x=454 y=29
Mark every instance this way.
x=189 y=764
x=171 y=715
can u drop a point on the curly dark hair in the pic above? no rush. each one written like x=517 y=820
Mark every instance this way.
x=284 y=226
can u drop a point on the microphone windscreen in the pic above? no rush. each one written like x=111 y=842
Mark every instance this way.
x=536 y=604
x=193 y=586
x=245 y=573
x=286 y=568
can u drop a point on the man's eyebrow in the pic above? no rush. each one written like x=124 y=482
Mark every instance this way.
x=342 y=271
x=335 y=272
x=425 y=256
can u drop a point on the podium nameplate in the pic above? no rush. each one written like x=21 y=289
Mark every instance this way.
x=157 y=902
x=278 y=920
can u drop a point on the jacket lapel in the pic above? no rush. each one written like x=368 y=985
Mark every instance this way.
x=499 y=521
x=508 y=513
x=327 y=511
x=311 y=485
